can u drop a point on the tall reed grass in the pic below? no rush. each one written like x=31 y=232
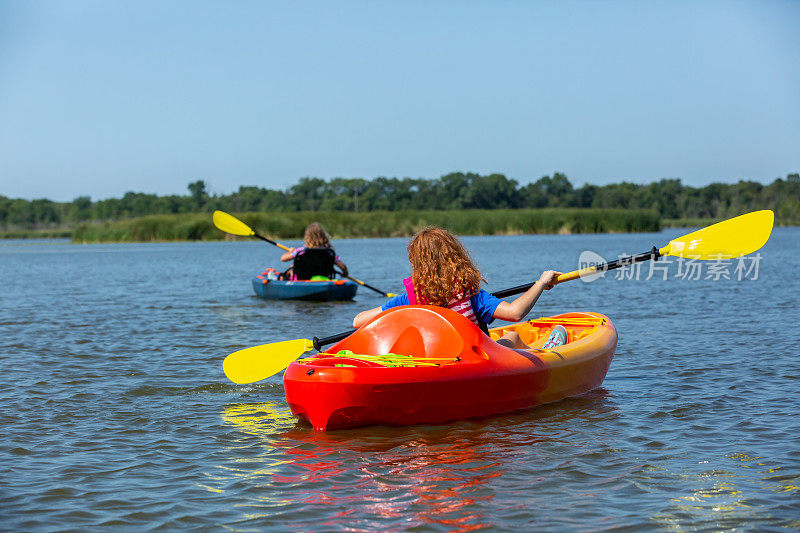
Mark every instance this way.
x=57 y=233
x=689 y=222
x=376 y=224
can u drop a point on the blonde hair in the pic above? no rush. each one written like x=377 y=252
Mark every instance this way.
x=316 y=236
x=442 y=267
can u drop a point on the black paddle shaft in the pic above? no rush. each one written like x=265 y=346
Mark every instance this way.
x=324 y=341
x=265 y=239
x=367 y=285
x=602 y=267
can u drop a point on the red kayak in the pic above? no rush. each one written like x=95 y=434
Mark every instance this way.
x=429 y=365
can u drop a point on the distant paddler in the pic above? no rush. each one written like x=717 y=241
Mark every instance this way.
x=234 y=226
x=315 y=259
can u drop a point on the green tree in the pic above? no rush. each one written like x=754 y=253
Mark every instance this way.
x=197 y=189
x=81 y=209
x=492 y=192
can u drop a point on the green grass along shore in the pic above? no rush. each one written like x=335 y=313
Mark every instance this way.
x=198 y=226
x=341 y=224
x=56 y=233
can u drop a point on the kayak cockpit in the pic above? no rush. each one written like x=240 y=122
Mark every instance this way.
x=535 y=332
x=418 y=332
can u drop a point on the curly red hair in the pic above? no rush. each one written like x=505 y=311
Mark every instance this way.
x=442 y=267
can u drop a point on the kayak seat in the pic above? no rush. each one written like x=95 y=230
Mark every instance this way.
x=417 y=330
x=314 y=262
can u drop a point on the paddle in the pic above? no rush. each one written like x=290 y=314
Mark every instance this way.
x=250 y=362
x=728 y=239
x=387 y=294
x=234 y=226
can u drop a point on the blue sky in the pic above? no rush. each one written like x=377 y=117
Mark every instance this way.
x=99 y=98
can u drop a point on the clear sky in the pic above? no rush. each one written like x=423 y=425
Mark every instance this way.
x=99 y=98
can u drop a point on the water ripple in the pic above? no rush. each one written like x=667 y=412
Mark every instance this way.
x=116 y=412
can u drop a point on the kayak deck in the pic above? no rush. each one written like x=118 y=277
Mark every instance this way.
x=273 y=289
x=427 y=364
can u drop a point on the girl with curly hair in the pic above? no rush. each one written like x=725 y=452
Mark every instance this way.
x=443 y=274
x=316 y=258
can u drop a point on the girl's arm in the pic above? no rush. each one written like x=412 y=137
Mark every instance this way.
x=365 y=316
x=288 y=255
x=519 y=308
x=341 y=265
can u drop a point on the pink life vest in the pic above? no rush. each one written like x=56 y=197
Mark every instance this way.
x=462 y=306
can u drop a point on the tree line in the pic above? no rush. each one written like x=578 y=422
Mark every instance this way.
x=670 y=198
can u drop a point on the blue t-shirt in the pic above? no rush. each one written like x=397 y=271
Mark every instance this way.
x=483 y=304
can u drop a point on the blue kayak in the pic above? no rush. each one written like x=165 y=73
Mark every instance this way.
x=273 y=289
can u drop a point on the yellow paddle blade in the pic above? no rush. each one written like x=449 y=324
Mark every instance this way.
x=738 y=236
x=260 y=362
x=231 y=224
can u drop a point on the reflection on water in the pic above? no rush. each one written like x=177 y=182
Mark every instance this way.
x=728 y=498
x=451 y=476
x=259 y=419
x=435 y=475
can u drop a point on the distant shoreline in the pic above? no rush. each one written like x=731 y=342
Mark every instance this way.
x=58 y=233
x=374 y=224
x=677 y=204
x=291 y=225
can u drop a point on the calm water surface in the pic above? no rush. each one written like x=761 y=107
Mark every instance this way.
x=115 y=410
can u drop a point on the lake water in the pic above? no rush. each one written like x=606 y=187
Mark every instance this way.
x=115 y=411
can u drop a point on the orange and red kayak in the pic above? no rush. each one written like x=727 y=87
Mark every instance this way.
x=430 y=365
